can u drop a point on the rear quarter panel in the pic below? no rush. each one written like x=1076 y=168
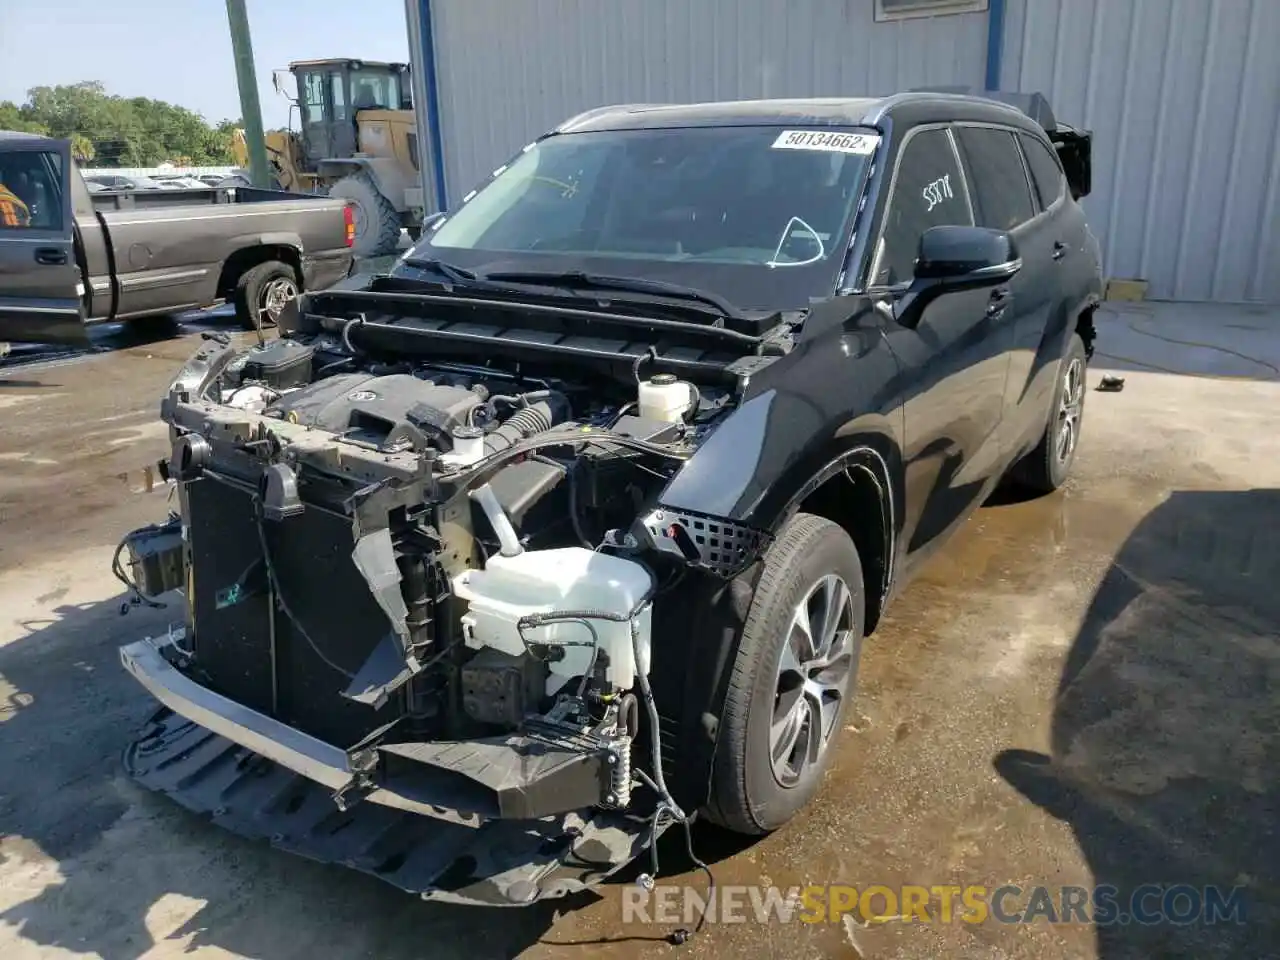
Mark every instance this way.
x=171 y=258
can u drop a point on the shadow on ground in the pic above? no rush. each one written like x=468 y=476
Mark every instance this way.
x=1165 y=748
x=110 y=870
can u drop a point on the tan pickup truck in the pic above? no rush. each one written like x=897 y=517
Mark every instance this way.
x=70 y=258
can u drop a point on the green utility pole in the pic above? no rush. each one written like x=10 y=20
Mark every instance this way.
x=250 y=109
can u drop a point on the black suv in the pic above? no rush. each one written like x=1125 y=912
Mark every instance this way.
x=572 y=525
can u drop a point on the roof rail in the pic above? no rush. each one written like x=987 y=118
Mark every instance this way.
x=1034 y=105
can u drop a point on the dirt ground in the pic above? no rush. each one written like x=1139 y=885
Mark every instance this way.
x=1081 y=690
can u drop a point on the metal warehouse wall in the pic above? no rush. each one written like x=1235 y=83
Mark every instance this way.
x=1183 y=97
x=511 y=69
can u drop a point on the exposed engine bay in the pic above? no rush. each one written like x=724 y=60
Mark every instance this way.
x=430 y=583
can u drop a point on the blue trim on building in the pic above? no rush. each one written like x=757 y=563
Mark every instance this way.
x=995 y=42
x=432 y=82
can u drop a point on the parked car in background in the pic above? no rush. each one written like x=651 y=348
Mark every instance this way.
x=91 y=256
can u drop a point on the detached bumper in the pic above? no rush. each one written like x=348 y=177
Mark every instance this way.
x=263 y=779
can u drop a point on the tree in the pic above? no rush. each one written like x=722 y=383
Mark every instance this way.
x=81 y=148
x=11 y=118
x=119 y=131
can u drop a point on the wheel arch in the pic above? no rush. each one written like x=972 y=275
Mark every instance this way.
x=854 y=491
x=246 y=258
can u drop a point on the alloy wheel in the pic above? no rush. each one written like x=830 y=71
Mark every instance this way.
x=275 y=295
x=812 y=679
x=1070 y=408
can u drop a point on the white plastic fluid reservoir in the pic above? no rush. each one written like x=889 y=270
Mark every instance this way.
x=663 y=397
x=468 y=446
x=545 y=581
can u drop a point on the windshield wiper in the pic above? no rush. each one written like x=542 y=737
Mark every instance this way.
x=454 y=274
x=597 y=281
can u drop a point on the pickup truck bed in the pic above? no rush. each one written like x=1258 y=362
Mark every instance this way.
x=84 y=258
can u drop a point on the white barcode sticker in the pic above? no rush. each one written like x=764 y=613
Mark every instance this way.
x=861 y=144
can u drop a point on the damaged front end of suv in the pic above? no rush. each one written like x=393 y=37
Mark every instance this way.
x=441 y=626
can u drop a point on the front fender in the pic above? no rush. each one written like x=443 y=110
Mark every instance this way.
x=804 y=417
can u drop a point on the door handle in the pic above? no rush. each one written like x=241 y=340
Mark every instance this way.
x=1059 y=250
x=1000 y=298
x=51 y=256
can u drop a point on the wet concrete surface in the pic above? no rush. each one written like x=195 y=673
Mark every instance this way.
x=1080 y=689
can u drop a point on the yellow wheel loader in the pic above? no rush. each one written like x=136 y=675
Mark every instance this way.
x=356 y=140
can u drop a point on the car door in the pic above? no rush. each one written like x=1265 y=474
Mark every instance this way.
x=953 y=361
x=40 y=281
x=1003 y=200
x=1061 y=230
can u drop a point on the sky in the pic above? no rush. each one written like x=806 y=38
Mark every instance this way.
x=181 y=52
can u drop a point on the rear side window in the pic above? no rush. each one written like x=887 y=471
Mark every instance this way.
x=1045 y=170
x=928 y=191
x=1002 y=196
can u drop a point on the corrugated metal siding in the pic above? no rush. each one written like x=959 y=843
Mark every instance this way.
x=1183 y=97
x=509 y=71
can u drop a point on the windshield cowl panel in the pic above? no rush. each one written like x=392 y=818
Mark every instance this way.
x=758 y=216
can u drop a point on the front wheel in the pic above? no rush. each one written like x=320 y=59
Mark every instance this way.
x=1046 y=467
x=795 y=670
x=262 y=293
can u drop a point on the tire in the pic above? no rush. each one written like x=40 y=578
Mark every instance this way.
x=1046 y=468
x=262 y=291
x=750 y=793
x=376 y=221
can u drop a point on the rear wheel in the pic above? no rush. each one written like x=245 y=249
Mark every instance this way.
x=795 y=670
x=1046 y=467
x=262 y=293
x=377 y=225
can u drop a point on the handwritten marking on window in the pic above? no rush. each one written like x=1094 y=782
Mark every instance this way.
x=937 y=191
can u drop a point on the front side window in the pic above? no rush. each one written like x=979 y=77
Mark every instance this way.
x=336 y=85
x=1002 y=196
x=312 y=99
x=1045 y=170
x=31 y=190
x=929 y=190
x=760 y=215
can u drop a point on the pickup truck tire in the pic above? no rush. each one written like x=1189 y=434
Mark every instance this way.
x=377 y=225
x=795 y=670
x=1046 y=468
x=262 y=291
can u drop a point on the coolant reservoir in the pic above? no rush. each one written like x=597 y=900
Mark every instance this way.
x=663 y=397
x=543 y=581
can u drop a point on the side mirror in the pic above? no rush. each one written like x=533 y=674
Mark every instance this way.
x=950 y=259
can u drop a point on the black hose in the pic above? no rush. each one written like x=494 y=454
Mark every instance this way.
x=695 y=402
x=651 y=355
x=541 y=410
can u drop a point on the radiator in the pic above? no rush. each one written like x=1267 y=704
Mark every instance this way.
x=233 y=614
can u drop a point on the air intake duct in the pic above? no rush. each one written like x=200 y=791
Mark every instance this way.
x=541 y=411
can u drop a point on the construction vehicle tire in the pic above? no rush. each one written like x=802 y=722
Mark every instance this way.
x=377 y=224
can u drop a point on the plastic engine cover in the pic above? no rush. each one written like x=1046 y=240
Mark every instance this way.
x=358 y=401
x=563 y=579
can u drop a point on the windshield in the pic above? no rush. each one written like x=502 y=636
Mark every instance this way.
x=758 y=215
